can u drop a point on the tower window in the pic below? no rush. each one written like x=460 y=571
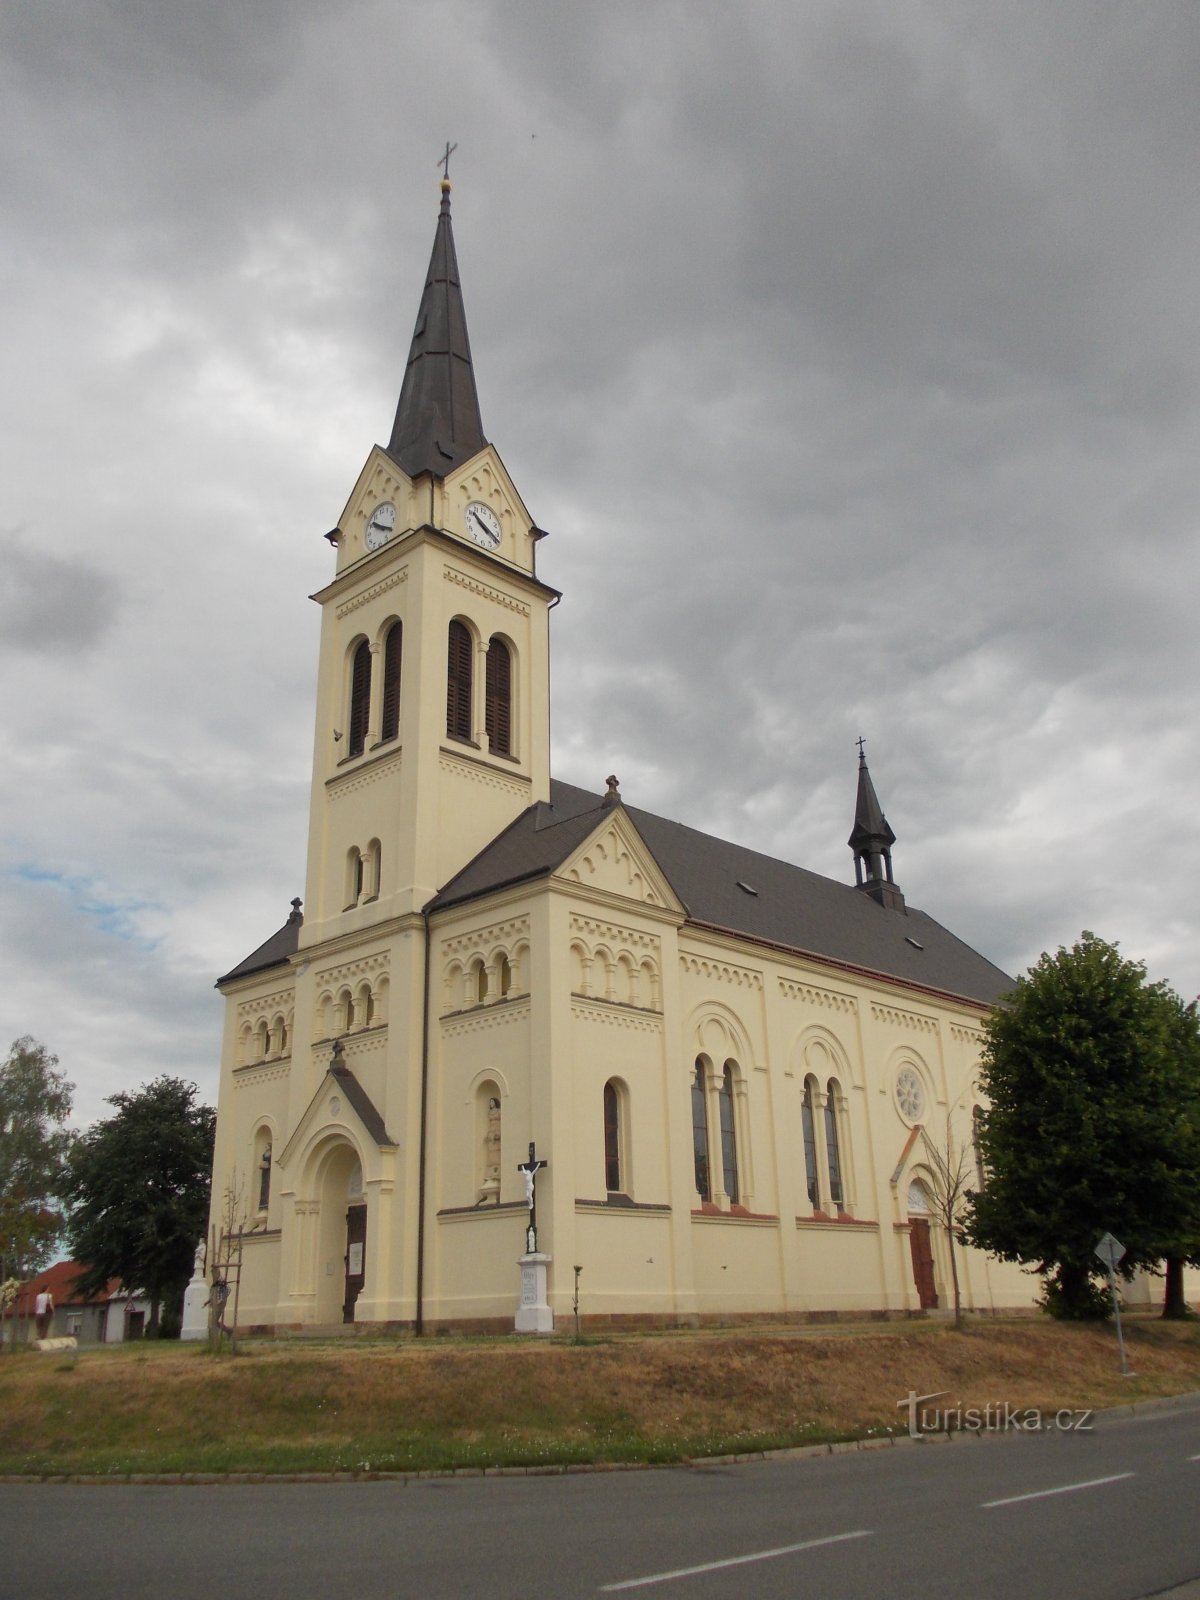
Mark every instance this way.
x=360 y=699
x=458 y=682
x=498 y=699
x=390 y=726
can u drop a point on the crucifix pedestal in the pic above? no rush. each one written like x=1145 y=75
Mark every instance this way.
x=533 y=1313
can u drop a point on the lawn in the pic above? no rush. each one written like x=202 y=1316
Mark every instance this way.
x=391 y=1405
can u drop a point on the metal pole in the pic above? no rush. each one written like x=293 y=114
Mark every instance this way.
x=1112 y=1284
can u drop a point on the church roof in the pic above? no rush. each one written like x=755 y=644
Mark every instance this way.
x=438 y=424
x=727 y=887
x=273 y=951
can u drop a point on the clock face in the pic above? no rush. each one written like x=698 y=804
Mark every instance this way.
x=910 y=1094
x=483 y=525
x=381 y=526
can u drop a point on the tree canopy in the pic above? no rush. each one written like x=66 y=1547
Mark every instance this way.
x=1093 y=1078
x=139 y=1185
x=35 y=1102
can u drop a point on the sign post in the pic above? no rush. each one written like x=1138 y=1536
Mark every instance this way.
x=1112 y=1252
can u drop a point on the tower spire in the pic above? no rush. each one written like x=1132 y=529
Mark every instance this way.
x=437 y=422
x=872 y=840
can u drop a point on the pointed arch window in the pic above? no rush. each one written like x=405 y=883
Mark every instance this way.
x=810 y=1143
x=700 y=1131
x=498 y=698
x=360 y=699
x=729 y=1167
x=390 y=725
x=832 y=1147
x=458 y=681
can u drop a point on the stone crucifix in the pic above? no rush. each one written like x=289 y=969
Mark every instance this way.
x=529 y=1171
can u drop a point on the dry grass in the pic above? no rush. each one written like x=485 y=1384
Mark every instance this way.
x=287 y=1407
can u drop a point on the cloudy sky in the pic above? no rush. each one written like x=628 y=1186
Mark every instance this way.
x=849 y=352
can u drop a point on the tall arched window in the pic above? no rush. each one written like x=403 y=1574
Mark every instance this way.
x=390 y=724
x=700 y=1131
x=360 y=699
x=264 y=1179
x=459 y=656
x=832 y=1149
x=498 y=698
x=976 y=1130
x=612 y=1139
x=729 y=1170
x=810 y=1143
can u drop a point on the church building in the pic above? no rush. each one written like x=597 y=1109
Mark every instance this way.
x=515 y=1021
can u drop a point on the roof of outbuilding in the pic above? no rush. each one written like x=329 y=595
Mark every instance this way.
x=740 y=891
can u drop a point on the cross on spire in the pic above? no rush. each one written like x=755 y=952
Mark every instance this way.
x=444 y=160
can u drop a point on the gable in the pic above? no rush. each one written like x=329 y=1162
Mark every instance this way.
x=484 y=480
x=615 y=862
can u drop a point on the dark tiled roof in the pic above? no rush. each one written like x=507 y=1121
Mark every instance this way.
x=362 y=1103
x=438 y=424
x=791 y=907
x=271 y=953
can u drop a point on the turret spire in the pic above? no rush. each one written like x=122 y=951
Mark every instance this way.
x=872 y=841
x=437 y=422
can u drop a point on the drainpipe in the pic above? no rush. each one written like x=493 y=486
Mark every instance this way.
x=419 y=1325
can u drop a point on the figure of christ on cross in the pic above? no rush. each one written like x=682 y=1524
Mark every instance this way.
x=529 y=1171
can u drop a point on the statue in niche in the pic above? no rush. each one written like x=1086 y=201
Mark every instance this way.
x=489 y=1189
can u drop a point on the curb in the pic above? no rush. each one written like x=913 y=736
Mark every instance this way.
x=562 y=1469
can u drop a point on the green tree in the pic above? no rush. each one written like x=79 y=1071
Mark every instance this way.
x=139 y=1191
x=1091 y=1074
x=35 y=1102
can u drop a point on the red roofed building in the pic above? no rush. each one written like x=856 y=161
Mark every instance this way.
x=106 y=1318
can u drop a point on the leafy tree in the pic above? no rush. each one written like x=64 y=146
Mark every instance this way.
x=139 y=1191
x=35 y=1102
x=1092 y=1075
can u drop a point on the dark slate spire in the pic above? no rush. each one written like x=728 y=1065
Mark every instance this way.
x=437 y=422
x=872 y=842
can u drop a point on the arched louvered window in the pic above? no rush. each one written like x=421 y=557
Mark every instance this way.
x=832 y=1148
x=729 y=1171
x=458 y=681
x=498 y=699
x=360 y=699
x=612 y=1139
x=810 y=1143
x=390 y=726
x=700 y=1131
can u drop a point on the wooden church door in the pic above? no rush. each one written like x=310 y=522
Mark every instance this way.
x=356 y=1247
x=922 y=1260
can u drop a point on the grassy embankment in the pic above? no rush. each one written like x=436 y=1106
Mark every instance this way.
x=388 y=1406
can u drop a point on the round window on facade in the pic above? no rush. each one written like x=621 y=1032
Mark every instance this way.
x=910 y=1094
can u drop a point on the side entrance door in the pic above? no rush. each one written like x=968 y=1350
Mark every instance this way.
x=356 y=1247
x=922 y=1260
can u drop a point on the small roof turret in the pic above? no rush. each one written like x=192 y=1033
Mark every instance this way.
x=872 y=840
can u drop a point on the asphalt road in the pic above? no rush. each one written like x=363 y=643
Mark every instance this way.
x=1110 y=1514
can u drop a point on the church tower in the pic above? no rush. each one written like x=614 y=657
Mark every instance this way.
x=432 y=728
